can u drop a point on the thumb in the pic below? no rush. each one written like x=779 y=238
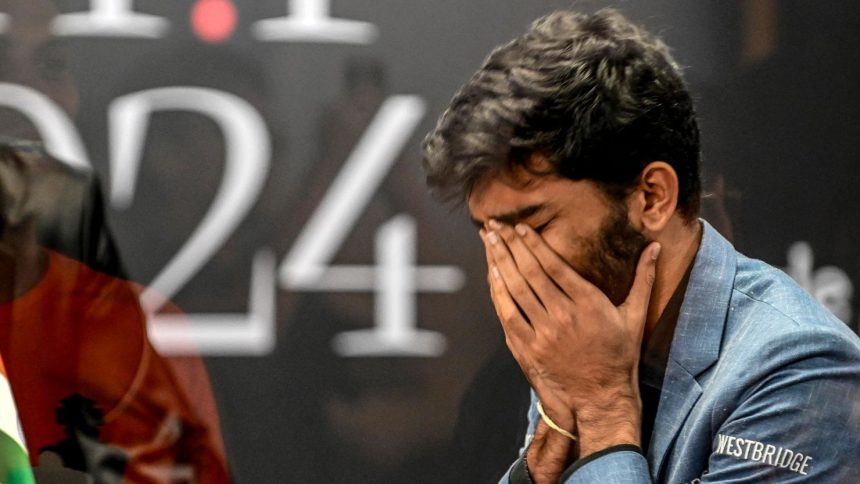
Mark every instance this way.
x=640 y=294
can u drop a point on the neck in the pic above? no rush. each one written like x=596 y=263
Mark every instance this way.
x=680 y=243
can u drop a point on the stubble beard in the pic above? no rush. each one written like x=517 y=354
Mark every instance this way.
x=611 y=258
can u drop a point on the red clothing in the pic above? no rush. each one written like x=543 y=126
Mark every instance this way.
x=80 y=331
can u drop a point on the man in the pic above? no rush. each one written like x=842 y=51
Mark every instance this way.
x=655 y=352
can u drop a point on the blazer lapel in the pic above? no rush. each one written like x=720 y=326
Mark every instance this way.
x=697 y=340
x=680 y=393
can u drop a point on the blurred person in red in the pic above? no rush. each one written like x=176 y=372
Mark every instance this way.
x=92 y=392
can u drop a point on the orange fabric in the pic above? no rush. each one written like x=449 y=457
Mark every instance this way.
x=80 y=331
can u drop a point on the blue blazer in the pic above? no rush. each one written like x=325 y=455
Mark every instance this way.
x=762 y=385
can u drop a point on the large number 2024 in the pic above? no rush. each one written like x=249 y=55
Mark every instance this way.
x=394 y=278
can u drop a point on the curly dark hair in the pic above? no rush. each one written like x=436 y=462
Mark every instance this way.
x=596 y=95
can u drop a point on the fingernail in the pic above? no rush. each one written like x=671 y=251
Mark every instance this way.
x=495 y=224
x=496 y=274
x=656 y=252
x=494 y=239
x=521 y=229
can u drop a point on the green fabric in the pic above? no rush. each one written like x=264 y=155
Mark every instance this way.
x=14 y=464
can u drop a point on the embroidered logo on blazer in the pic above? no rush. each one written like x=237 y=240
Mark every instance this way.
x=753 y=450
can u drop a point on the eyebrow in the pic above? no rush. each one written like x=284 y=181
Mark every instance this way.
x=512 y=218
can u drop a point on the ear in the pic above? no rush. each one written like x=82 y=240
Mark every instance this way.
x=655 y=198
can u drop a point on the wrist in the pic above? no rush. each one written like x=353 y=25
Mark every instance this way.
x=615 y=423
x=606 y=436
x=559 y=415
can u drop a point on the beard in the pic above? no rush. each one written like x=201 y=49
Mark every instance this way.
x=610 y=259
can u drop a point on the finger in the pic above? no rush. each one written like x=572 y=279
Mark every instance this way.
x=518 y=331
x=640 y=294
x=513 y=280
x=558 y=270
x=547 y=292
x=487 y=254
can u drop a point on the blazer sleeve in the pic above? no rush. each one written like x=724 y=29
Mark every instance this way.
x=799 y=420
x=615 y=467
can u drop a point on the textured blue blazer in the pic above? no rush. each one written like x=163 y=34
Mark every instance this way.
x=762 y=385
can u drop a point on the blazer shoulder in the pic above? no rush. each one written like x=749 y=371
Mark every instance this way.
x=768 y=310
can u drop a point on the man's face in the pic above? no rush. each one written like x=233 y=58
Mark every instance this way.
x=575 y=218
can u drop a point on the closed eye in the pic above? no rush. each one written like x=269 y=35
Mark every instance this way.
x=540 y=228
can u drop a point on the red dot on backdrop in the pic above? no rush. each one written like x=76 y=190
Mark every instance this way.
x=213 y=20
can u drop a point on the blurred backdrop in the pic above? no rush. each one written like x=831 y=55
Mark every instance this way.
x=259 y=166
